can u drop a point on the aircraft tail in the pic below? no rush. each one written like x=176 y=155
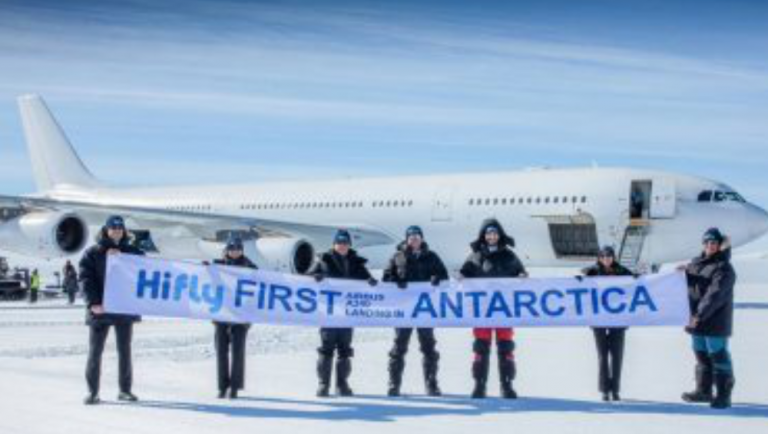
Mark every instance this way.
x=55 y=163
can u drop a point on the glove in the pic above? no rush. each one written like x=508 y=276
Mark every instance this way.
x=635 y=276
x=579 y=277
x=318 y=278
x=402 y=284
x=692 y=325
x=435 y=281
x=373 y=282
x=206 y=263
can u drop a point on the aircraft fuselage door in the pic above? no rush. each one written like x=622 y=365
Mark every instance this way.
x=639 y=199
x=442 y=205
x=663 y=199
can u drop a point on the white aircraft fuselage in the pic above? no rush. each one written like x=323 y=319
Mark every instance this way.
x=559 y=218
x=450 y=209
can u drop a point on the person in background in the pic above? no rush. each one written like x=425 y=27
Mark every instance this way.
x=414 y=262
x=112 y=240
x=609 y=340
x=711 y=280
x=34 y=286
x=492 y=257
x=230 y=338
x=341 y=262
x=637 y=201
x=70 y=281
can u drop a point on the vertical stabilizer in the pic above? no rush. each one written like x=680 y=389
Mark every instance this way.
x=55 y=163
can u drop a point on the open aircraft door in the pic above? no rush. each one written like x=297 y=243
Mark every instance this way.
x=663 y=199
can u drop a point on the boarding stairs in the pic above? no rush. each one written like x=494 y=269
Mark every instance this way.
x=632 y=244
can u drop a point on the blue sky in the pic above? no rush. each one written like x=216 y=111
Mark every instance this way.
x=233 y=91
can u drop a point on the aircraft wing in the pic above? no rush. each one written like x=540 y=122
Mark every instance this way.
x=190 y=223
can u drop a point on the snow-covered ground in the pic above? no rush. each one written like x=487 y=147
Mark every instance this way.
x=43 y=349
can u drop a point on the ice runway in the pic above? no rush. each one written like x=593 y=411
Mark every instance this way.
x=43 y=350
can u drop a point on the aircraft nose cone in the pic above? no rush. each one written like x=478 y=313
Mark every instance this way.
x=761 y=222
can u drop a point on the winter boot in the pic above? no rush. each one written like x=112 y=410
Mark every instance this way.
x=91 y=399
x=703 y=392
x=507 y=369
x=343 y=369
x=324 y=370
x=396 y=367
x=480 y=368
x=430 y=374
x=724 y=384
x=127 y=397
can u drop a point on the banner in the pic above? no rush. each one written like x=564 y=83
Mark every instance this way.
x=157 y=287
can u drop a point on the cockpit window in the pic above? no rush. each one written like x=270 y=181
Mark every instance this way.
x=733 y=196
x=705 y=196
x=720 y=196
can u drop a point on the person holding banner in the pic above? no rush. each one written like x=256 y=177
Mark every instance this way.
x=414 y=262
x=112 y=240
x=341 y=262
x=609 y=340
x=711 y=279
x=492 y=257
x=231 y=337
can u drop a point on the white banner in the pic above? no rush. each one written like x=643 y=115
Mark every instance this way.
x=157 y=287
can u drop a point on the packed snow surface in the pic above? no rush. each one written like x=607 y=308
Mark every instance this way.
x=43 y=350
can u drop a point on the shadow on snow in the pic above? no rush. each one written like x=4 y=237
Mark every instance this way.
x=382 y=409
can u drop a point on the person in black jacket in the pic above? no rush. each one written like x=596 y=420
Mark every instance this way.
x=492 y=257
x=231 y=337
x=70 y=282
x=414 y=262
x=112 y=240
x=711 y=280
x=341 y=262
x=609 y=340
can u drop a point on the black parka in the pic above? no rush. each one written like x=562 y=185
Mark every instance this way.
x=710 y=293
x=333 y=265
x=93 y=270
x=407 y=266
x=616 y=269
x=69 y=283
x=242 y=261
x=488 y=263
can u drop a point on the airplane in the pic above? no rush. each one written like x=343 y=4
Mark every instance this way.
x=558 y=217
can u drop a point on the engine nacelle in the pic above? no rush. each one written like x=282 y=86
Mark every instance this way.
x=46 y=234
x=288 y=255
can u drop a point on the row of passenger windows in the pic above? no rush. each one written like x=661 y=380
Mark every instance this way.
x=395 y=203
x=527 y=200
x=302 y=205
x=198 y=208
x=315 y=205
